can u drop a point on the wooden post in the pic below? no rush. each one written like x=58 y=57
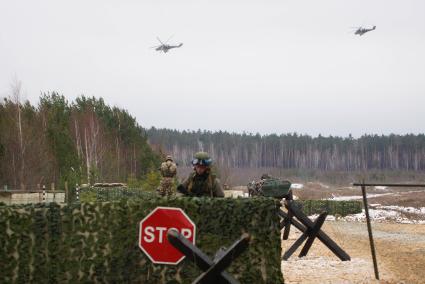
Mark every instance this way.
x=52 y=186
x=287 y=221
x=369 y=229
x=366 y=207
x=44 y=193
x=66 y=192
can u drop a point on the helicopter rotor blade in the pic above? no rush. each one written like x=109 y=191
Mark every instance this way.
x=169 y=39
x=159 y=40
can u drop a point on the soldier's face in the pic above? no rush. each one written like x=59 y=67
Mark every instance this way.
x=200 y=169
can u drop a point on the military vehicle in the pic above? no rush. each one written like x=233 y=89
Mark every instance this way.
x=269 y=187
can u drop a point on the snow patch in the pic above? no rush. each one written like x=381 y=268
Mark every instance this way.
x=411 y=210
x=383 y=214
x=357 y=197
x=324 y=185
x=297 y=185
x=234 y=193
x=381 y=187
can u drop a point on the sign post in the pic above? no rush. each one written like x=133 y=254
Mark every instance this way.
x=153 y=234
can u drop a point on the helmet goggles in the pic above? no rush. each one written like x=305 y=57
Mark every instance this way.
x=202 y=162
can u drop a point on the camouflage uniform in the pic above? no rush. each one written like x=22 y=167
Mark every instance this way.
x=255 y=187
x=168 y=171
x=205 y=184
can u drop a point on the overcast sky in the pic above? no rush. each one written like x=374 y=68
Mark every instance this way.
x=255 y=66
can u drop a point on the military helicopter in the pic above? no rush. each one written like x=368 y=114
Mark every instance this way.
x=164 y=46
x=361 y=31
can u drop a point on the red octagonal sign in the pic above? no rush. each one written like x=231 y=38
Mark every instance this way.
x=153 y=234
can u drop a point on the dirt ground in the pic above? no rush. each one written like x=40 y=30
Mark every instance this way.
x=400 y=250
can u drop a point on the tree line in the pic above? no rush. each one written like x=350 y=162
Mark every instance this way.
x=87 y=141
x=84 y=141
x=295 y=151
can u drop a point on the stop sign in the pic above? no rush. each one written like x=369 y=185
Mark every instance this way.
x=153 y=234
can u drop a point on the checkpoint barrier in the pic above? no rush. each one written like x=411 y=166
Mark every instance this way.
x=98 y=242
x=213 y=269
x=311 y=230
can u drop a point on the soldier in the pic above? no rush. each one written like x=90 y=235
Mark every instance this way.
x=255 y=187
x=265 y=176
x=168 y=171
x=201 y=182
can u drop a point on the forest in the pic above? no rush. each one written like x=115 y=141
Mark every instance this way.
x=296 y=151
x=84 y=141
x=87 y=141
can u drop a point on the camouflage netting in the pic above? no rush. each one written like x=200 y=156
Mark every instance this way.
x=333 y=207
x=309 y=207
x=98 y=242
x=113 y=193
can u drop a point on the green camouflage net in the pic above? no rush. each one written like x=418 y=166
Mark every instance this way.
x=98 y=242
x=333 y=207
x=112 y=194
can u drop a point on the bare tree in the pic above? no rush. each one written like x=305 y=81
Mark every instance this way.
x=16 y=87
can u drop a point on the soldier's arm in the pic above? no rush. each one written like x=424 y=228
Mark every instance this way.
x=186 y=182
x=183 y=187
x=217 y=189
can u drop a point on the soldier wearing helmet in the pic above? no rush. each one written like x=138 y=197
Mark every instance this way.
x=168 y=171
x=265 y=176
x=202 y=182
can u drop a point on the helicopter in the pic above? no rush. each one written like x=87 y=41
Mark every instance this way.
x=361 y=31
x=164 y=46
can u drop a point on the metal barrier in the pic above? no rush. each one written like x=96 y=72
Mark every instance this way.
x=213 y=269
x=311 y=230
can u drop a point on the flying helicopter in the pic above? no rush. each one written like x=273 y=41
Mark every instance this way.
x=165 y=46
x=361 y=31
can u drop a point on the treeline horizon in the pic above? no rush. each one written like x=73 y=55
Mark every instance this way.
x=248 y=133
x=87 y=141
x=295 y=151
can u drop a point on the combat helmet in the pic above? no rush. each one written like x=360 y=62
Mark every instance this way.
x=265 y=176
x=202 y=158
x=169 y=158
